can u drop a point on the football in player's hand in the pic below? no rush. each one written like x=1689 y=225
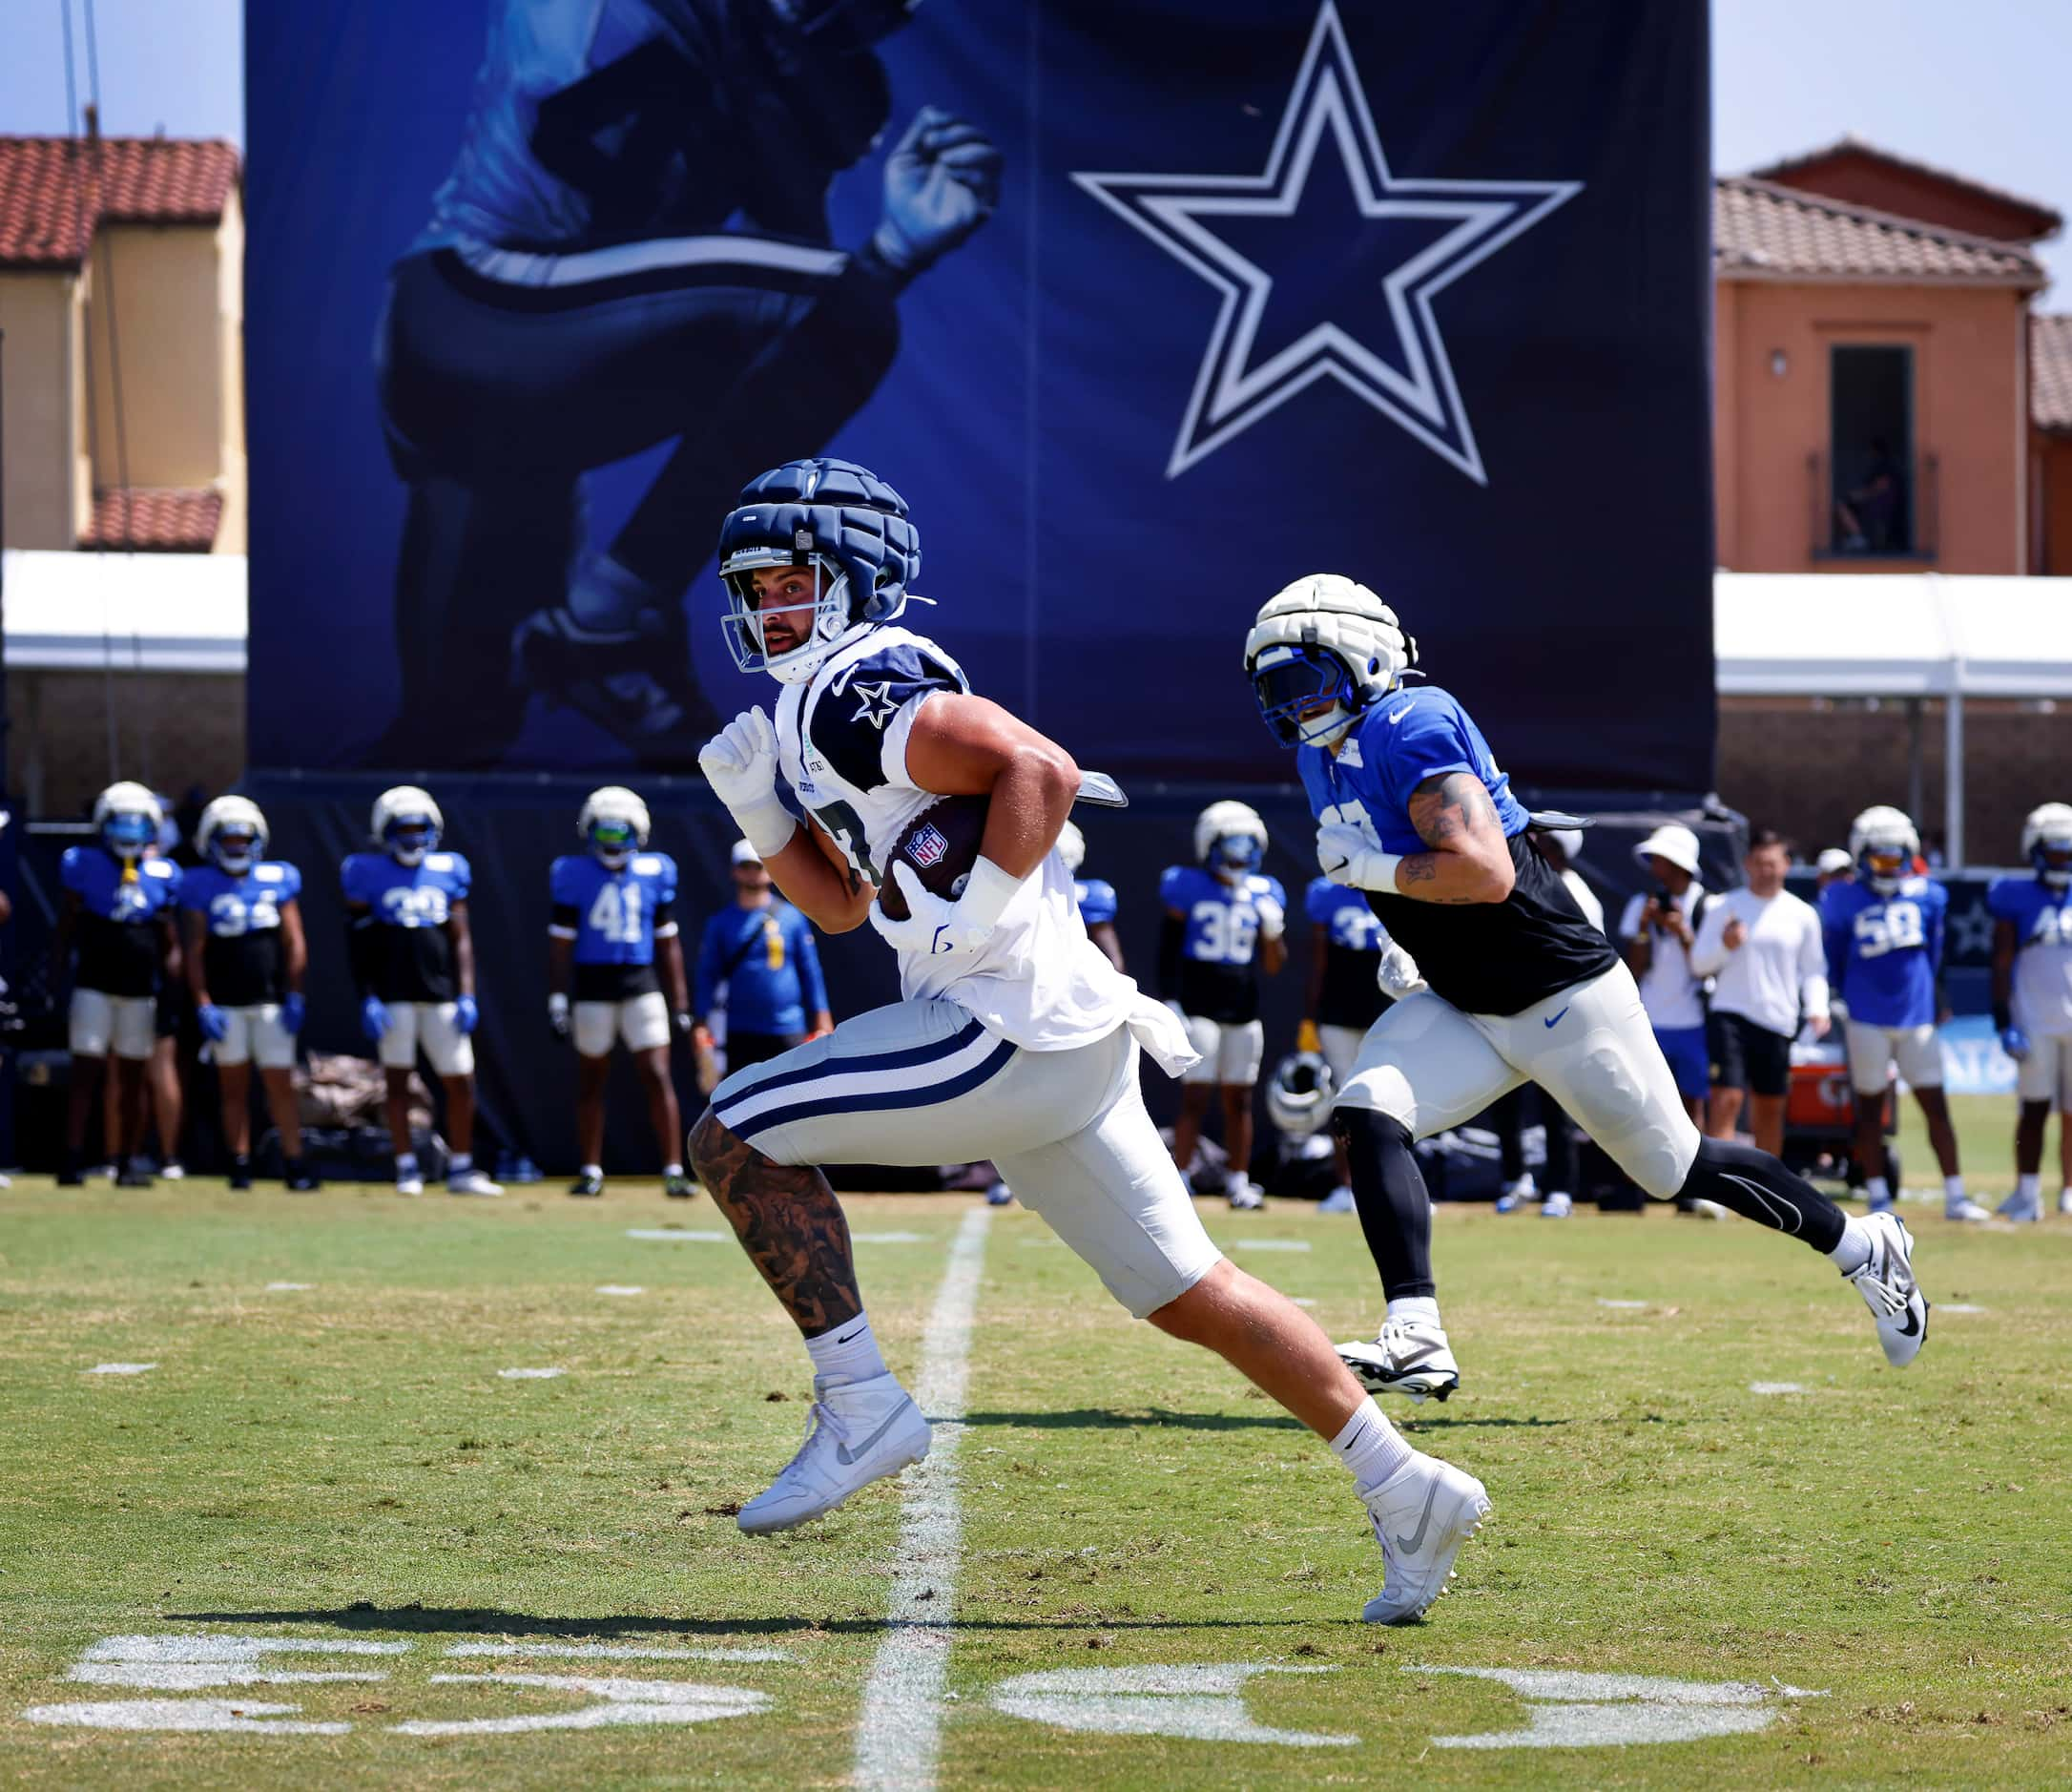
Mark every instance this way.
x=940 y=845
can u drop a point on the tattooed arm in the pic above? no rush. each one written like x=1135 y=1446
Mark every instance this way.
x=1470 y=861
x=789 y=1223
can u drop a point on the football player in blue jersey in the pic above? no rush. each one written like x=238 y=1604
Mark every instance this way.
x=1225 y=923
x=633 y=248
x=1014 y=1039
x=1095 y=896
x=1413 y=809
x=2032 y=999
x=413 y=963
x=1883 y=935
x=613 y=920
x=246 y=954
x=118 y=913
x=761 y=952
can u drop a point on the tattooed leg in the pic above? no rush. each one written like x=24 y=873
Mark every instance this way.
x=789 y=1223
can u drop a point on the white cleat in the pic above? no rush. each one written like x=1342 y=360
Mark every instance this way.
x=472 y=1182
x=1965 y=1212
x=1338 y=1201
x=1410 y=1357
x=1246 y=1196
x=2026 y=1210
x=412 y=1185
x=1886 y=1282
x=1423 y=1515
x=856 y=1433
x=1557 y=1206
x=1000 y=1195
x=2065 y=1198
x=1514 y=1195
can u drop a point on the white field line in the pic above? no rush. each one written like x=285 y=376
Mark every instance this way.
x=899 y=1733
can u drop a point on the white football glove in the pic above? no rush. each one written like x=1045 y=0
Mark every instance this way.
x=1347 y=856
x=740 y=765
x=1397 y=973
x=935 y=925
x=1273 y=917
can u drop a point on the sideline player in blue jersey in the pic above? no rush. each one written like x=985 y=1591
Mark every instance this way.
x=1095 y=896
x=2032 y=999
x=762 y=951
x=1412 y=809
x=413 y=961
x=632 y=249
x=119 y=913
x=613 y=920
x=1883 y=935
x=1225 y=923
x=246 y=954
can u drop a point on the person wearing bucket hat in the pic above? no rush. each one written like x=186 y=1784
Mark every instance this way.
x=1834 y=865
x=1657 y=928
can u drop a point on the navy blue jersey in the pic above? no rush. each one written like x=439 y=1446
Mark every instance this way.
x=1097 y=900
x=615 y=918
x=1884 y=953
x=123 y=906
x=2042 y=918
x=242 y=963
x=407 y=952
x=1219 y=918
x=1353 y=939
x=1486 y=958
x=769 y=963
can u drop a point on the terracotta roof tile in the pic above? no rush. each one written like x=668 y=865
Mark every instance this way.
x=155 y=520
x=2047 y=218
x=2050 y=371
x=1760 y=231
x=55 y=191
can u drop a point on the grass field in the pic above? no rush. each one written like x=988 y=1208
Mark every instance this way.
x=345 y=1463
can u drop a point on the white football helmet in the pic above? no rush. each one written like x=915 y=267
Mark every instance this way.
x=1882 y=839
x=1230 y=836
x=128 y=817
x=1319 y=651
x=406 y=824
x=1071 y=846
x=228 y=819
x=1299 y=1093
x=613 y=824
x=2046 y=843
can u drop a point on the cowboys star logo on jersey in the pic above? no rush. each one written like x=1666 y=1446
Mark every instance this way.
x=877 y=708
x=1268 y=346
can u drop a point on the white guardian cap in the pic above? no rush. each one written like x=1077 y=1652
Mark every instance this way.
x=228 y=820
x=613 y=824
x=2046 y=843
x=1320 y=651
x=1883 y=842
x=406 y=824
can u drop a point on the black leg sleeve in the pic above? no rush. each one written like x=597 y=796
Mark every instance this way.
x=1395 y=1211
x=1756 y=1186
x=1507 y=1120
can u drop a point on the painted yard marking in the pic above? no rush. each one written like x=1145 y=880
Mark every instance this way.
x=1203 y=1703
x=1273 y=1244
x=530 y=1375
x=619 y=1702
x=1567 y=1710
x=614 y=1651
x=1957 y=1306
x=1625 y=1306
x=289 y=1287
x=186 y=1665
x=887 y=1237
x=620 y=1288
x=238 y=1716
x=1777 y=1387
x=899 y=1735
x=120 y=1368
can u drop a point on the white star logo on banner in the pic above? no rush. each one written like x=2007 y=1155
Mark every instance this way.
x=1230 y=391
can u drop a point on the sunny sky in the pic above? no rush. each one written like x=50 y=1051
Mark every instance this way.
x=1978 y=87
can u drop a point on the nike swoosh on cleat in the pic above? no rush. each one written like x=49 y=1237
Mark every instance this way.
x=846 y=1456
x=1554 y=1020
x=1410 y=1545
x=1913 y=1326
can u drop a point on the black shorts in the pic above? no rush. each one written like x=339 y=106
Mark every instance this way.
x=1748 y=1056
x=744 y=1049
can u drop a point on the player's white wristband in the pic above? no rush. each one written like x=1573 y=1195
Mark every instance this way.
x=766 y=825
x=1273 y=918
x=1375 y=869
x=557 y=1006
x=988 y=891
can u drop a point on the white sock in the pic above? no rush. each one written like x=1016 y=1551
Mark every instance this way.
x=1855 y=1250
x=1953 y=1191
x=668 y=1169
x=1875 y=1188
x=593 y=1169
x=1420 y=1307
x=1370 y=1447
x=459 y=1165
x=848 y=1353
x=1233 y=1183
x=406 y=1164
x=2029 y=1189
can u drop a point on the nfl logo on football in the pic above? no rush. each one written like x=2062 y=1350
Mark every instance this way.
x=927 y=847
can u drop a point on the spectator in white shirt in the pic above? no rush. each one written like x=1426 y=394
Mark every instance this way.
x=1656 y=931
x=1559 y=847
x=1762 y=946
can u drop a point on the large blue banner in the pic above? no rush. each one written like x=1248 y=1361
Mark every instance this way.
x=1148 y=307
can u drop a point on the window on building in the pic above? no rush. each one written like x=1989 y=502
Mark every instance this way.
x=1871 y=448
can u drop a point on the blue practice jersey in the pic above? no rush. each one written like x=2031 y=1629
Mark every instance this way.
x=1487 y=958
x=770 y=967
x=241 y=957
x=1884 y=953
x=1096 y=899
x=122 y=909
x=2042 y=923
x=402 y=951
x=1352 y=940
x=1219 y=921
x=615 y=918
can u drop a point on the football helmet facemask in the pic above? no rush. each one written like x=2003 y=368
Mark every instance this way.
x=1882 y=841
x=613 y=824
x=128 y=817
x=2046 y=843
x=1320 y=651
x=1299 y=1093
x=406 y=824
x=233 y=833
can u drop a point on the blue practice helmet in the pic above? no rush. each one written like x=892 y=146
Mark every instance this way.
x=836 y=517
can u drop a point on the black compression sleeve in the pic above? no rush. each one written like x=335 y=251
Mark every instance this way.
x=1756 y=1186
x=1172 y=935
x=1395 y=1210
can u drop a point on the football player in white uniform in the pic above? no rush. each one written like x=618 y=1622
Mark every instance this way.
x=1017 y=1040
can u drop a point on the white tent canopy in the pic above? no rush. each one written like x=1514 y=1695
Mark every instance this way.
x=126 y=612
x=1907 y=635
